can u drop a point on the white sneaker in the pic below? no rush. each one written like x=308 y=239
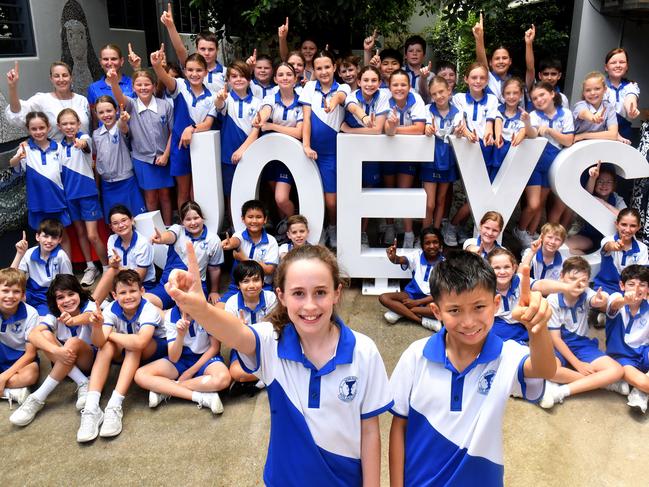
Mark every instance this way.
x=391 y=317
x=213 y=401
x=365 y=241
x=450 y=235
x=89 y=276
x=18 y=395
x=431 y=324
x=621 y=387
x=408 y=240
x=82 y=394
x=112 y=422
x=549 y=398
x=332 y=236
x=523 y=237
x=90 y=422
x=26 y=413
x=389 y=234
x=637 y=399
x=156 y=398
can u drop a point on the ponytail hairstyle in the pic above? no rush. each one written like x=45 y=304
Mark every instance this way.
x=278 y=317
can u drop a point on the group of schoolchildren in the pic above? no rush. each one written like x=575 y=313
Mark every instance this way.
x=327 y=381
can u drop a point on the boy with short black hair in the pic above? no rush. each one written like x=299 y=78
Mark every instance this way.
x=550 y=70
x=18 y=367
x=450 y=389
x=129 y=331
x=584 y=367
x=42 y=263
x=627 y=340
x=253 y=244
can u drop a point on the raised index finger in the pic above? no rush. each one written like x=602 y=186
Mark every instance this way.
x=481 y=19
x=286 y=23
x=24 y=235
x=169 y=8
x=130 y=48
x=192 y=266
x=16 y=67
x=525 y=285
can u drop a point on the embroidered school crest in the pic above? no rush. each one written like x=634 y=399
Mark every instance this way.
x=163 y=119
x=485 y=381
x=115 y=139
x=348 y=388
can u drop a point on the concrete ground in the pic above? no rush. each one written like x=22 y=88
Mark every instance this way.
x=592 y=440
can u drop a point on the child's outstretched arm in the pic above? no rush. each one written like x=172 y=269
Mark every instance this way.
x=185 y=289
x=156 y=62
x=238 y=154
x=533 y=311
x=478 y=35
x=530 y=72
x=21 y=248
x=529 y=256
x=368 y=46
x=306 y=133
x=392 y=254
x=593 y=174
x=282 y=35
x=112 y=79
x=167 y=19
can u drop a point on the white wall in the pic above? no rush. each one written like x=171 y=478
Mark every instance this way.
x=46 y=18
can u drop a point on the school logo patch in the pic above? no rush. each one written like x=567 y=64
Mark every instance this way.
x=115 y=139
x=485 y=381
x=163 y=119
x=348 y=388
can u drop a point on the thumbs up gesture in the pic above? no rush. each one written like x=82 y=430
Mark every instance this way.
x=600 y=299
x=532 y=309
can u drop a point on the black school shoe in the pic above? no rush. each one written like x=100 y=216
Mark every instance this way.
x=243 y=389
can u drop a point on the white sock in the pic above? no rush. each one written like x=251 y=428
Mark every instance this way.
x=410 y=234
x=115 y=400
x=90 y=264
x=77 y=376
x=563 y=391
x=92 y=400
x=197 y=397
x=46 y=388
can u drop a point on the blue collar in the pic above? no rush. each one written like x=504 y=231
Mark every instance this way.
x=294 y=103
x=635 y=248
x=36 y=255
x=118 y=242
x=577 y=305
x=34 y=146
x=241 y=304
x=200 y=237
x=424 y=261
x=410 y=101
x=264 y=237
x=557 y=115
x=68 y=147
x=20 y=314
x=623 y=83
x=511 y=292
x=265 y=87
x=557 y=259
x=435 y=350
x=371 y=103
x=196 y=99
x=334 y=87
x=499 y=79
x=289 y=348
x=452 y=111
x=246 y=99
x=484 y=252
x=502 y=108
x=119 y=312
x=471 y=100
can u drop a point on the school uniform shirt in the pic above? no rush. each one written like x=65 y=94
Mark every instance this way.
x=324 y=126
x=540 y=270
x=113 y=155
x=609 y=115
x=379 y=104
x=260 y=91
x=565 y=104
x=189 y=108
x=63 y=333
x=215 y=79
x=40 y=273
x=196 y=339
x=317 y=412
x=42 y=169
x=138 y=255
x=561 y=121
x=571 y=320
x=413 y=111
x=235 y=304
x=51 y=106
x=414 y=77
x=444 y=125
x=455 y=419
x=477 y=241
x=616 y=96
x=76 y=169
x=236 y=117
x=419 y=285
x=207 y=247
x=511 y=125
x=101 y=88
x=285 y=248
x=145 y=315
x=495 y=85
x=613 y=263
x=509 y=301
x=286 y=116
x=477 y=113
x=15 y=330
x=266 y=250
x=149 y=127
x=627 y=334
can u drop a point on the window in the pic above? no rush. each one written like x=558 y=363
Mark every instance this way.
x=125 y=14
x=189 y=20
x=16 y=32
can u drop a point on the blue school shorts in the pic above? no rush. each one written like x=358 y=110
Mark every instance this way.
x=125 y=192
x=85 y=209
x=227 y=175
x=639 y=360
x=180 y=163
x=278 y=172
x=167 y=302
x=8 y=356
x=34 y=218
x=371 y=174
x=510 y=331
x=187 y=360
x=431 y=175
x=539 y=176
x=585 y=349
x=150 y=177
x=160 y=351
x=327 y=167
